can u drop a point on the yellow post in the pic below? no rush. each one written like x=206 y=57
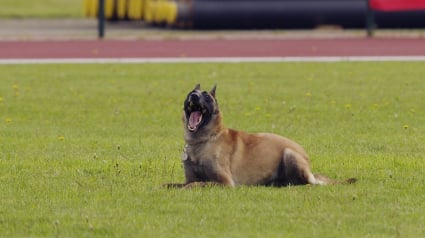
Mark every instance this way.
x=94 y=7
x=109 y=8
x=171 y=13
x=130 y=9
x=135 y=9
x=87 y=8
x=122 y=8
x=159 y=16
x=149 y=11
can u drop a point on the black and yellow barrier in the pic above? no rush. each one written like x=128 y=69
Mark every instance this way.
x=91 y=8
x=161 y=12
x=117 y=9
x=152 y=11
x=251 y=14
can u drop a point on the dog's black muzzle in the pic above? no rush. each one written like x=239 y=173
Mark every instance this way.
x=194 y=102
x=194 y=97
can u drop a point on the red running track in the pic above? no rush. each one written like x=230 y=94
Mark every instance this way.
x=211 y=48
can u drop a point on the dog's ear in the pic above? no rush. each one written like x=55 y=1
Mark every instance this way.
x=212 y=92
x=197 y=87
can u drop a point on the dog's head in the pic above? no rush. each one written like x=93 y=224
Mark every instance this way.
x=200 y=108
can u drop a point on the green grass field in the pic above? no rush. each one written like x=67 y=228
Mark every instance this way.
x=41 y=9
x=84 y=150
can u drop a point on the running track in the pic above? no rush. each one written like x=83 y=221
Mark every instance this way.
x=203 y=49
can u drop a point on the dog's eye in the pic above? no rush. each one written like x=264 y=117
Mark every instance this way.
x=207 y=96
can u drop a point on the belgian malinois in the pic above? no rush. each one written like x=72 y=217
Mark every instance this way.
x=216 y=155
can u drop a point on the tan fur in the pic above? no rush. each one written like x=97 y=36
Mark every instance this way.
x=216 y=155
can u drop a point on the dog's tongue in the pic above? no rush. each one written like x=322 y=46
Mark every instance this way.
x=194 y=119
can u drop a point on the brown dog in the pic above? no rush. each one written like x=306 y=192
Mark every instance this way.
x=215 y=154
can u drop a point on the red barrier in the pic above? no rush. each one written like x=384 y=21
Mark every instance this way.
x=396 y=5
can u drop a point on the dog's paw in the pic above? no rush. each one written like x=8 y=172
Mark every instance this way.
x=173 y=185
x=202 y=185
x=351 y=180
x=193 y=185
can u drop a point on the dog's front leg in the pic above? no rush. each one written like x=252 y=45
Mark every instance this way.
x=207 y=175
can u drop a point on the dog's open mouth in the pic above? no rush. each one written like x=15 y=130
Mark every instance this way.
x=195 y=120
x=196 y=117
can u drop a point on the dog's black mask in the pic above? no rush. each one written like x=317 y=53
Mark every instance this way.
x=199 y=107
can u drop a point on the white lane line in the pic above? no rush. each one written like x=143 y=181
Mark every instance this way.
x=210 y=60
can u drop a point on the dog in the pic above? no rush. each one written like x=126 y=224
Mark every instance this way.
x=217 y=155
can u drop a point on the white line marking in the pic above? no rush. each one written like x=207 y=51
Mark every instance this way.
x=211 y=60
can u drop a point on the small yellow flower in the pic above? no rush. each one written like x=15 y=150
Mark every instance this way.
x=1 y=99
x=257 y=108
x=405 y=127
x=347 y=106
x=308 y=94
x=61 y=138
x=8 y=120
x=15 y=86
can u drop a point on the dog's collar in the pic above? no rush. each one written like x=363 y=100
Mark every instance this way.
x=205 y=139
x=194 y=144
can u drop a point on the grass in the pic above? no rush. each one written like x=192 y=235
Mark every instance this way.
x=41 y=9
x=85 y=148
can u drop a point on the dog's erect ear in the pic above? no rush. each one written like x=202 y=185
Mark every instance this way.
x=197 y=87
x=212 y=92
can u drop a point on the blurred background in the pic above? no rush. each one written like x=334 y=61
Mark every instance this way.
x=264 y=14
x=210 y=15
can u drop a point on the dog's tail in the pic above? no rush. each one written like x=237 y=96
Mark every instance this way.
x=323 y=180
